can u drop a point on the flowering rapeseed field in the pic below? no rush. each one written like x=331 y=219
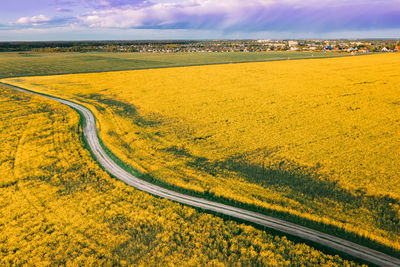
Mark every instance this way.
x=318 y=139
x=57 y=207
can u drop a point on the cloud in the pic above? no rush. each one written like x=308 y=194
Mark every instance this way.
x=119 y=3
x=42 y=21
x=224 y=16
x=35 y=20
x=256 y=15
x=100 y=4
x=63 y=10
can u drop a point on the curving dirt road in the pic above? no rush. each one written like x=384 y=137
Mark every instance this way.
x=350 y=248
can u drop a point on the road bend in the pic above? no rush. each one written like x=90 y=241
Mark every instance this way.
x=326 y=240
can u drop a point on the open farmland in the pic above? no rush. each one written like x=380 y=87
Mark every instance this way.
x=317 y=139
x=29 y=63
x=57 y=207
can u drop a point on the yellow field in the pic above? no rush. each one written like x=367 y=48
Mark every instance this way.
x=315 y=138
x=58 y=207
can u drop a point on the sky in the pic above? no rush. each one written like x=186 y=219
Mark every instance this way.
x=42 y=20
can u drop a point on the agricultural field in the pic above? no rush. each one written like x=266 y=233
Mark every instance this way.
x=318 y=140
x=58 y=207
x=29 y=63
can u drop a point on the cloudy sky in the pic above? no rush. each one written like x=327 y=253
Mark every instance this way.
x=197 y=19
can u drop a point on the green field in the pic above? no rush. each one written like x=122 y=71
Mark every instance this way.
x=20 y=64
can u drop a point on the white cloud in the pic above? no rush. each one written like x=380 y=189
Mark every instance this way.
x=35 y=20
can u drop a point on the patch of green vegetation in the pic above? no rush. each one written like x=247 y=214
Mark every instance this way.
x=121 y=108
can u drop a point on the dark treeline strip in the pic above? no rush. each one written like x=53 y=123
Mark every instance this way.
x=76 y=46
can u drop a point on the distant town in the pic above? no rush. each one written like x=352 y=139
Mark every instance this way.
x=345 y=46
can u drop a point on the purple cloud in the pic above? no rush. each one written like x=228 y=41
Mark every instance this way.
x=63 y=10
x=258 y=15
x=224 y=16
x=102 y=4
x=122 y=3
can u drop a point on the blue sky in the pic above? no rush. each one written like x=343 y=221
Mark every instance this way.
x=197 y=19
